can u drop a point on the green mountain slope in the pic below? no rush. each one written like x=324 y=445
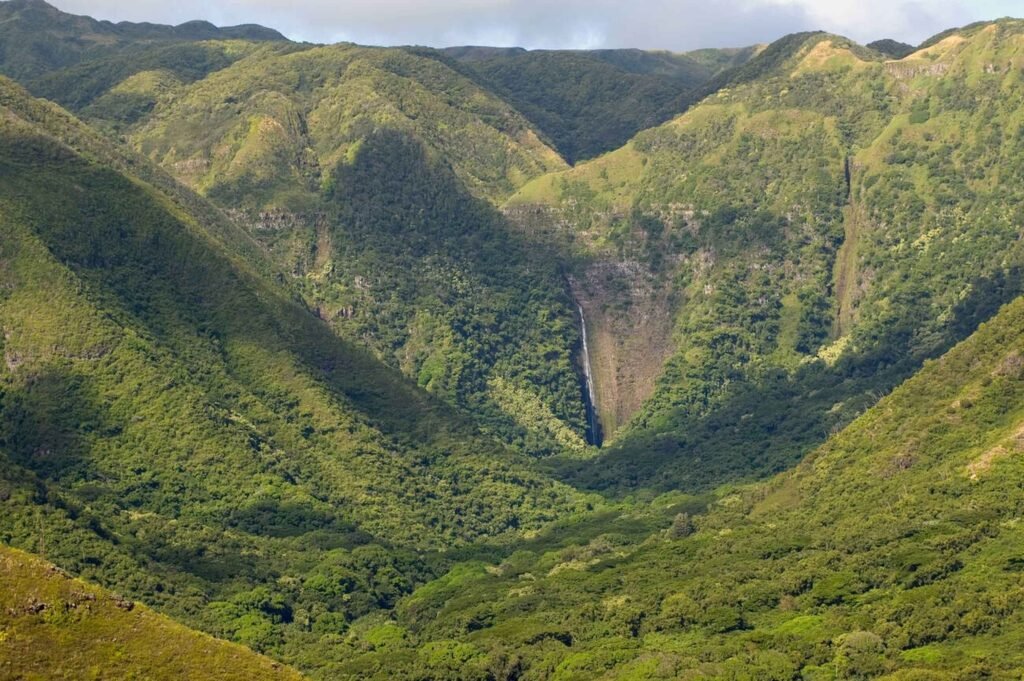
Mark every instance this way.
x=893 y=551
x=592 y=101
x=120 y=88
x=798 y=244
x=174 y=426
x=323 y=397
x=36 y=37
x=56 y=627
x=364 y=172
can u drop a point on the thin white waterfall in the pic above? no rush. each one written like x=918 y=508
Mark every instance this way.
x=593 y=431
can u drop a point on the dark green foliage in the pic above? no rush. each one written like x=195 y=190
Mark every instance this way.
x=891 y=48
x=590 y=102
x=36 y=37
x=363 y=171
x=883 y=553
x=446 y=264
x=80 y=85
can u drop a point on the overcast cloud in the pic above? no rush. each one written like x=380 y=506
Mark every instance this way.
x=652 y=24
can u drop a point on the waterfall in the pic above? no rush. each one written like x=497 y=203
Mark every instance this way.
x=590 y=399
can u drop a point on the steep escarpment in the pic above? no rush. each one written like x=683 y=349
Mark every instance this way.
x=618 y=298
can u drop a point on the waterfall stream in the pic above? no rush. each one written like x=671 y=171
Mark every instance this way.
x=590 y=398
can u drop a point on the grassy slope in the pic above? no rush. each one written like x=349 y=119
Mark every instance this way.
x=173 y=425
x=750 y=257
x=893 y=551
x=56 y=627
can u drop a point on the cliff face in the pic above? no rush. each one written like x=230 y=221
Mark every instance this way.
x=629 y=324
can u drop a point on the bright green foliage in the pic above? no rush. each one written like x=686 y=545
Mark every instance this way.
x=172 y=424
x=56 y=627
x=269 y=130
x=893 y=549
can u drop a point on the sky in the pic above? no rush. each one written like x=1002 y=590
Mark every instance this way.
x=580 y=24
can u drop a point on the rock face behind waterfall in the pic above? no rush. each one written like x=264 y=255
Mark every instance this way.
x=628 y=324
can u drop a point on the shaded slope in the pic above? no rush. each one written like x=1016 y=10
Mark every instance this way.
x=589 y=102
x=365 y=173
x=173 y=425
x=121 y=88
x=56 y=627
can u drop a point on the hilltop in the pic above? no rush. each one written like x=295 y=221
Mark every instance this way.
x=57 y=627
x=36 y=37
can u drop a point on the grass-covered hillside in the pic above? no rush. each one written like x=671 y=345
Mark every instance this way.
x=55 y=627
x=809 y=235
x=893 y=551
x=36 y=37
x=591 y=101
x=175 y=426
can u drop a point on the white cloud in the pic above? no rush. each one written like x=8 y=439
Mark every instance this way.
x=908 y=20
x=668 y=24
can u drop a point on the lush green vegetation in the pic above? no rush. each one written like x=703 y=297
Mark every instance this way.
x=173 y=425
x=893 y=551
x=805 y=290
x=56 y=627
x=590 y=102
x=294 y=409
x=365 y=179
